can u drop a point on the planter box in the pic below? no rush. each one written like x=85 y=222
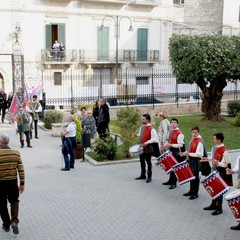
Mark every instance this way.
x=57 y=129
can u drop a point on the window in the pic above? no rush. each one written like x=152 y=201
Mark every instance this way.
x=178 y=2
x=142 y=80
x=142 y=44
x=57 y=78
x=54 y=32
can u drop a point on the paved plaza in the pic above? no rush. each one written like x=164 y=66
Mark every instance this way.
x=105 y=202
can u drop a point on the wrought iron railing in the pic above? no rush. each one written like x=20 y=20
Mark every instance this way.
x=138 y=86
x=55 y=56
x=123 y=56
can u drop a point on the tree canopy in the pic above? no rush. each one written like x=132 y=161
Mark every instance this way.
x=209 y=61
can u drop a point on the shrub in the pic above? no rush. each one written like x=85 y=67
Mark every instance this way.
x=52 y=117
x=237 y=120
x=87 y=105
x=106 y=147
x=233 y=107
x=128 y=120
x=79 y=129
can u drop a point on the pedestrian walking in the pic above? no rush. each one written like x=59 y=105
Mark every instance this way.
x=11 y=168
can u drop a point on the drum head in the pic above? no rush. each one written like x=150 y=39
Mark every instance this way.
x=134 y=148
x=233 y=194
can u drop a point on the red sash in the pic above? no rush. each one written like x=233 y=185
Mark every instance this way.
x=174 y=136
x=146 y=134
x=219 y=153
x=194 y=144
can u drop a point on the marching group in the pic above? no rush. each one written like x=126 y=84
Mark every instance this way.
x=170 y=137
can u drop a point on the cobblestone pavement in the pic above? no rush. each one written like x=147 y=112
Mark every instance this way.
x=106 y=203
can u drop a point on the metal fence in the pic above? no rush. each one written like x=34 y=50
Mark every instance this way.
x=134 y=86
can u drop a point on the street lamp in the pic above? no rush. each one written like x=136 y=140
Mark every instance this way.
x=17 y=32
x=117 y=21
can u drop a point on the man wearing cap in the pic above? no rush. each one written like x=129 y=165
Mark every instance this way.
x=34 y=108
x=11 y=168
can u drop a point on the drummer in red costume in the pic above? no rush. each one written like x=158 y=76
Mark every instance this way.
x=220 y=161
x=147 y=135
x=194 y=154
x=236 y=170
x=175 y=145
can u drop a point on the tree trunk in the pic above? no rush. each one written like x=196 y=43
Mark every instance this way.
x=211 y=104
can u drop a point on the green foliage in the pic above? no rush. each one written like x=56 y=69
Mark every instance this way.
x=52 y=117
x=106 y=147
x=237 y=120
x=205 y=58
x=79 y=129
x=128 y=121
x=87 y=105
x=209 y=61
x=233 y=107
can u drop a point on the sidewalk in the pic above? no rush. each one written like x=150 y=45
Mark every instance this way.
x=105 y=202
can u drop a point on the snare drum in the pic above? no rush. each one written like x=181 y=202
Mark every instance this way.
x=167 y=161
x=183 y=172
x=136 y=150
x=233 y=200
x=215 y=185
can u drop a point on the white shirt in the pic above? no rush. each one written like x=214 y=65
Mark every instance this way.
x=71 y=130
x=236 y=167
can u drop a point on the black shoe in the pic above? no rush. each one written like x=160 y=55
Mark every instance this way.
x=166 y=183
x=235 y=227
x=172 y=186
x=217 y=212
x=29 y=146
x=211 y=207
x=148 y=180
x=21 y=146
x=6 y=229
x=140 y=178
x=192 y=197
x=72 y=166
x=15 y=228
x=65 y=169
x=37 y=137
x=157 y=163
x=187 y=194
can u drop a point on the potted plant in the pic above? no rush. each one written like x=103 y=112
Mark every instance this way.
x=53 y=120
x=79 y=149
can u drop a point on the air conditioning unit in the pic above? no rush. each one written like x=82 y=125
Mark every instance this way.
x=178 y=2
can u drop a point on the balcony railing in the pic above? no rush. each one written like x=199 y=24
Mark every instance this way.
x=109 y=56
x=150 y=2
x=52 y=56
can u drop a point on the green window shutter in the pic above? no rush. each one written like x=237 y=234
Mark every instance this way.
x=48 y=36
x=103 y=44
x=61 y=33
x=142 y=44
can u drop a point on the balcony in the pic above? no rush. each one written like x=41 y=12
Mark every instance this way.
x=127 y=2
x=109 y=56
x=51 y=56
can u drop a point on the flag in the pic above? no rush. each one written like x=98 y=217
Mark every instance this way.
x=37 y=90
x=13 y=110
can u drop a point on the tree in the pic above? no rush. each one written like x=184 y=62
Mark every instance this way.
x=208 y=61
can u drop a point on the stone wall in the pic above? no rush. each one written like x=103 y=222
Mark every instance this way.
x=206 y=15
x=171 y=108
